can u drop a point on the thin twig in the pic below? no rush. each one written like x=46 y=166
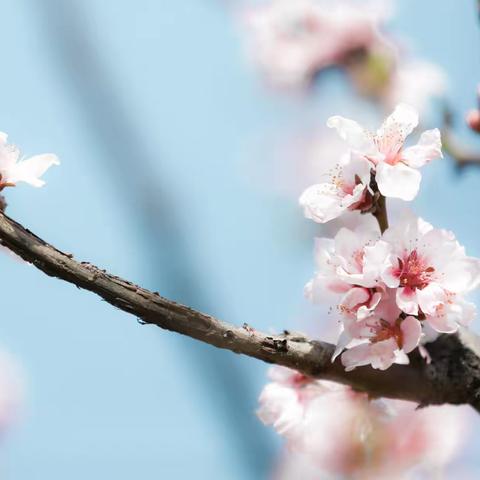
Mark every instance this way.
x=453 y=147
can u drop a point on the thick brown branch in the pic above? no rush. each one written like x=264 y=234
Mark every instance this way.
x=452 y=377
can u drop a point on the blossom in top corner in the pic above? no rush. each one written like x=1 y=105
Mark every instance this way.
x=396 y=167
x=293 y=40
x=29 y=170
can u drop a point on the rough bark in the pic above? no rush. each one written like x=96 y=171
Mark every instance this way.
x=453 y=376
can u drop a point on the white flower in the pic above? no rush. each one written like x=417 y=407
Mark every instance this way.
x=431 y=273
x=347 y=188
x=396 y=168
x=29 y=170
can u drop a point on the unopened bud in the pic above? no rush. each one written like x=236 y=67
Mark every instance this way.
x=473 y=120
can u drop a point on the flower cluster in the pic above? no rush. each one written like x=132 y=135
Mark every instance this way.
x=293 y=41
x=393 y=286
x=342 y=432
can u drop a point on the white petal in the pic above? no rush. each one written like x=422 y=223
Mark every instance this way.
x=430 y=297
x=407 y=301
x=428 y=148
x=442 y=323
x=32 y=169
x=462 y=275
x=375 y=259
x=396 y=128
x=354 y=134
x=449 y=316
x=322 y=202
x=398 y=181
x=343 y=340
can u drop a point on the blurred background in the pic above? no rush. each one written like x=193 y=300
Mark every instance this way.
x=174 y=175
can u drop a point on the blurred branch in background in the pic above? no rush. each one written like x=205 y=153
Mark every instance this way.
x=462 y=155
x=167 y=255
x=452 y=376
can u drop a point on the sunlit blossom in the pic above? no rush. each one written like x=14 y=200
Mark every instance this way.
x=430 y=272
x=396 y=167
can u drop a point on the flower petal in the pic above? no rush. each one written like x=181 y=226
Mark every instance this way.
x=407 y=301
x=449 y=316
x=354 y=134
x=411 y=334
x=322 y=202
x=379 y=355
x=428 y=148
x=396 y=128
x=398 y=181
x=32 y=169
x=430 y=297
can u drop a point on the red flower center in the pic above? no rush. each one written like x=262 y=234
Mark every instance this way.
x=414 y=272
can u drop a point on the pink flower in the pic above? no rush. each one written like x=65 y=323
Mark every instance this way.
x=400 y=443
x=396 y=168
x=284 y=403
x=431 y=273
x=291 y=41
x=379 y=340
x=347 y=188
x=29 y=170
x=337 y=431
x=348 y=267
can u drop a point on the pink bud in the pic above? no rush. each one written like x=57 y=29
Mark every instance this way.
x=473 y=120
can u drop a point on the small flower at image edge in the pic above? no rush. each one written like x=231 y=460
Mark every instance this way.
x=29 y=170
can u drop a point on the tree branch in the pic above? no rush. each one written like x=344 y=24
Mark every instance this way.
x=460 y=154
x=453 y=376
x=380 y=213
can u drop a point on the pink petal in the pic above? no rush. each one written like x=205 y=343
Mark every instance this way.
x=396 y=128
x=427 y=149
x=412 y=332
